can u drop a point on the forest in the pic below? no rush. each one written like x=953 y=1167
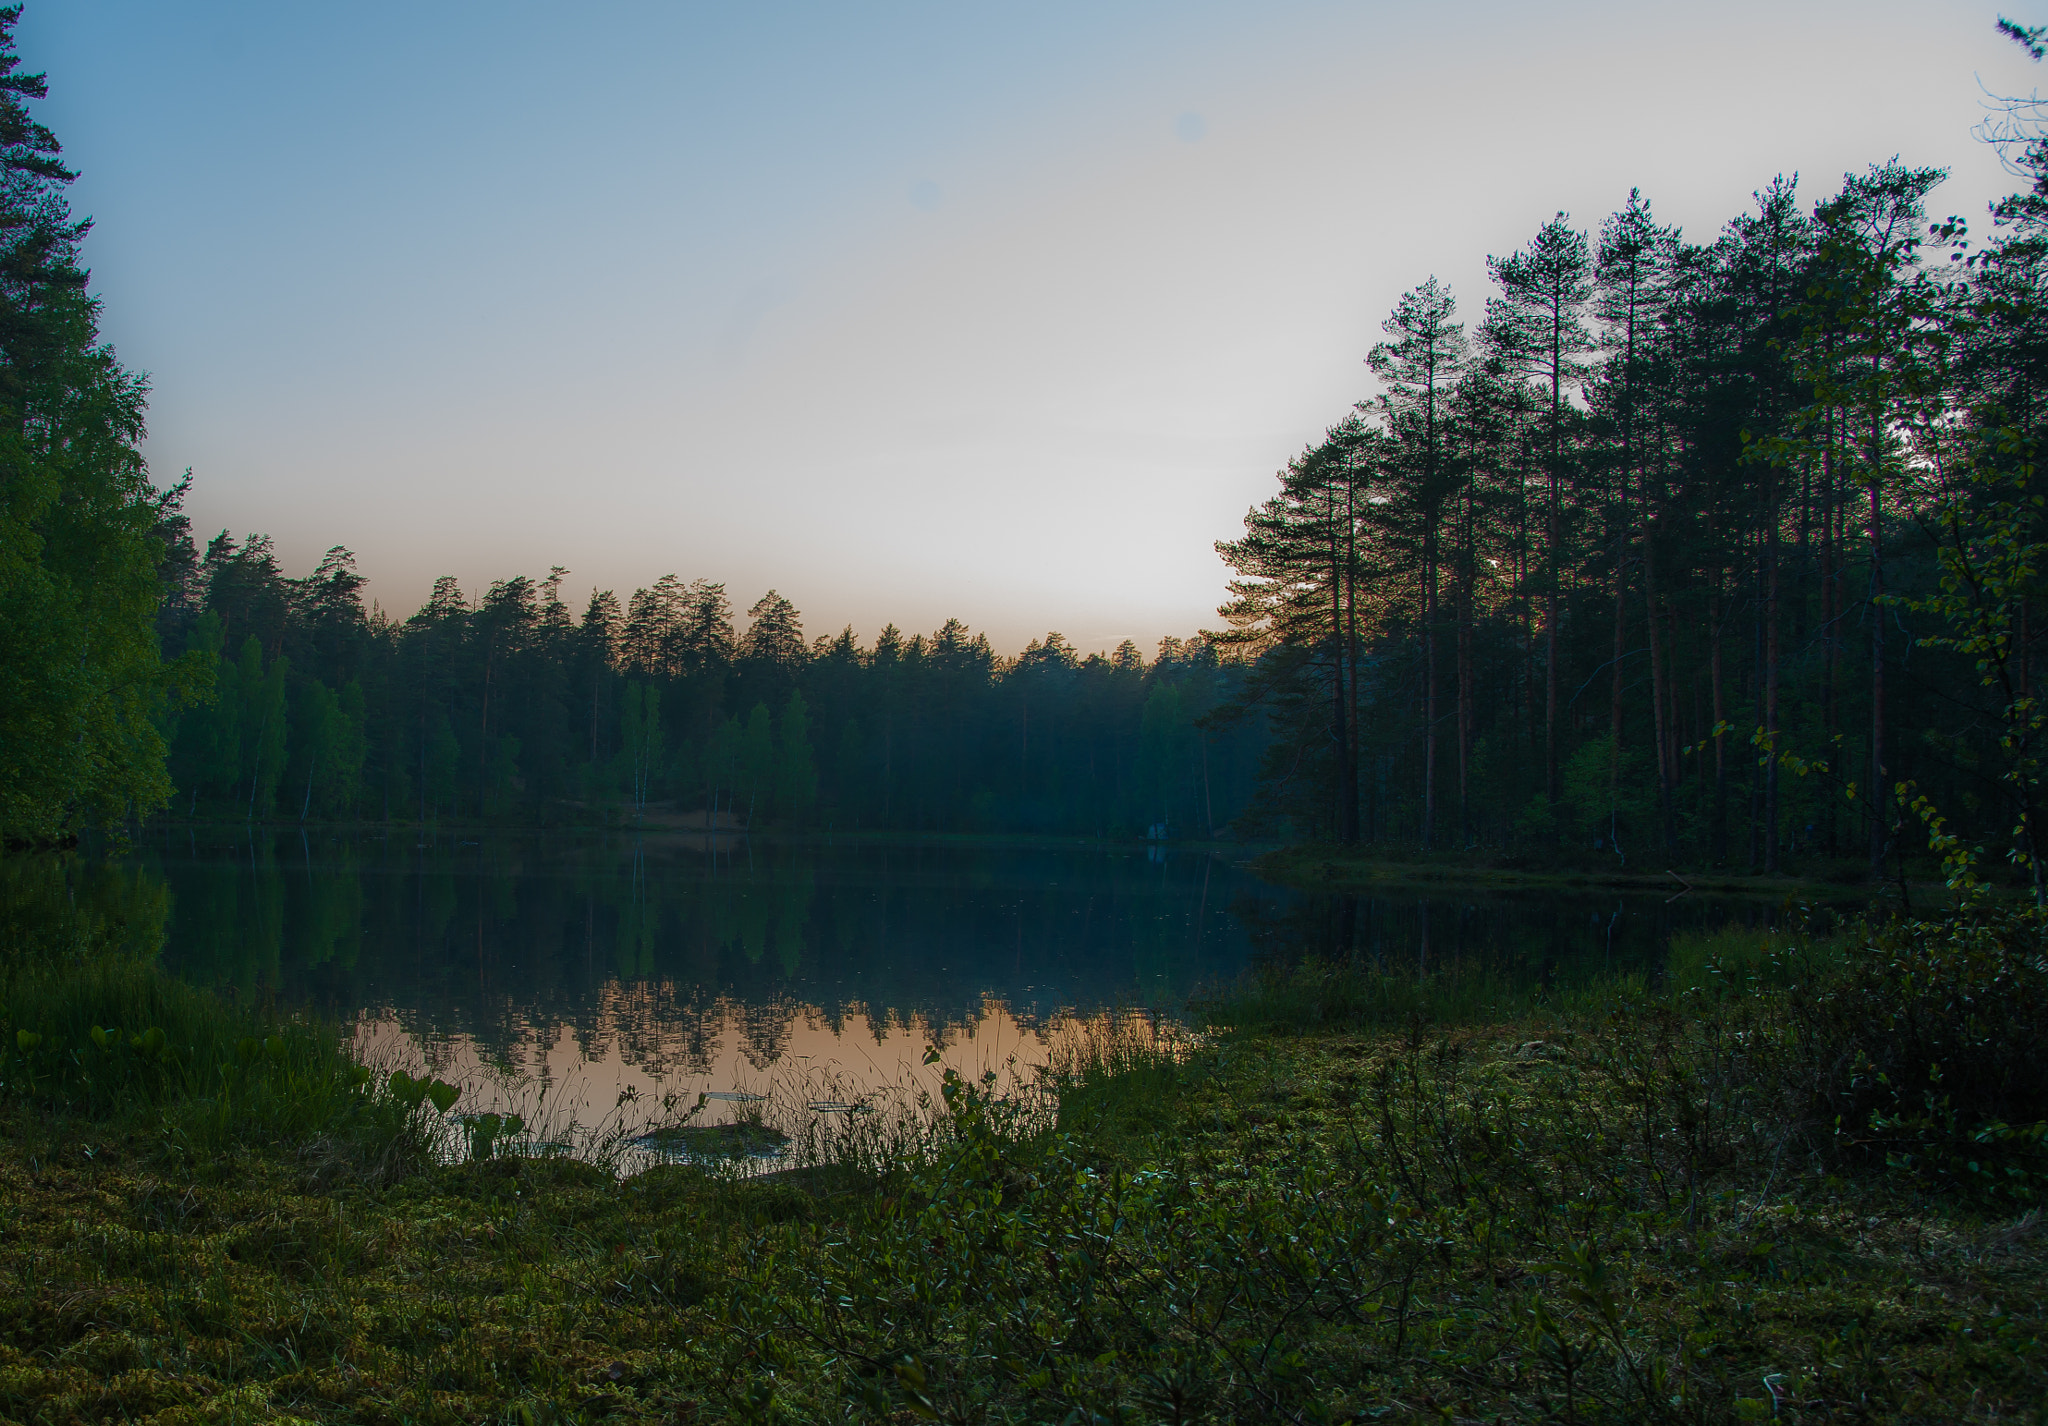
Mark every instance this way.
x=1686 y=552
x=512 y=708
x=1664 y=558
x=1720 y=552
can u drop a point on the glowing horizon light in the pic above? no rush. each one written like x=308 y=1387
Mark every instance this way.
x=866 y=305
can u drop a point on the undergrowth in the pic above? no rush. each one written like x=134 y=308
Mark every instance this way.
x=1796 y=1181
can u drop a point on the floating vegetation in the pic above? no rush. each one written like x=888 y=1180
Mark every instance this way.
x=838 y=1106
x=734 y=1096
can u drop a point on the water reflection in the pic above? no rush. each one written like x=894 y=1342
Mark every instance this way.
x=616 y=971
x=651 y=966
x=617 y=938
x=1524 y=939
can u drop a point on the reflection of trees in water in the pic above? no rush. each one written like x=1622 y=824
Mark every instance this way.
x=651 y=1024
x=640 y=946
x=764 y=1029
x=53 y=903
x=1521 y=937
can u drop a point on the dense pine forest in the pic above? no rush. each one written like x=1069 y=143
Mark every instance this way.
x=514 y=707
x=1719 y=551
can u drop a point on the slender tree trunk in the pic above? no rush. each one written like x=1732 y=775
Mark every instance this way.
x=1429 y=695
x=1550 y=782
x=1674 y=726
x=1355 y=763
x=1830 y=610
x=1550 y=530
x=1878 y=791
x=1208 y=802
x=1614 y=708
x=1770 y=748
x=1465 y=702
x=1659 y=704
x=1720 y=832
x=256 y=766
x=1756 y=786
x=1698 y=740
x=483 y=738
x=1347 y=780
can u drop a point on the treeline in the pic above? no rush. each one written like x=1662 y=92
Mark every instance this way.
x=1721 y=551
x=514 y=707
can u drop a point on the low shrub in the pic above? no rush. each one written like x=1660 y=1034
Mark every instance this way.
x=1922 y=1049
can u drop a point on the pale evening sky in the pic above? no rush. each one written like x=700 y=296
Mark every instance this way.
x=910 y=311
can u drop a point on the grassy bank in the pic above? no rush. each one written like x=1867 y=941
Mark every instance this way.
x=1751 y=1196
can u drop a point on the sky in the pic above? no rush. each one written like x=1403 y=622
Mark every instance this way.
x=908 y=311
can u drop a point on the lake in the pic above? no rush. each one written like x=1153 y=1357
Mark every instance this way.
x=595 y=976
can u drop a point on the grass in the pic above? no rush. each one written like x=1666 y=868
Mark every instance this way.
x=1345 y=1200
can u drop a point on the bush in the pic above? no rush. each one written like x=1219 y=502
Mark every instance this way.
x=1923 y=1050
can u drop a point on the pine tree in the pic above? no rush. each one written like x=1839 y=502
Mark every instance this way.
x=1297 y=590
x=1417 y=369
x=1632 y=290
x=1537 y=327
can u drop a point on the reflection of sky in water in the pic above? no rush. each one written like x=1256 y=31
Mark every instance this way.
x=590 y=966
x=644 y=1068
x=650 y=953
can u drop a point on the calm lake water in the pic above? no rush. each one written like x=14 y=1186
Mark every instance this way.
x=595 y=968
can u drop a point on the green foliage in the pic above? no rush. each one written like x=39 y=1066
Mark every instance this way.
x=1589 y=1226
x=640 y=739
x=327 y=748
x=1990 y=559
x=754 y=775
x=796 y=770
x=1921 y=1050
x=80 y=675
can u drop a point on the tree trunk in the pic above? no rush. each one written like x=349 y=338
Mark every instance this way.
x=1878 y=792
x=1660 y=712
x=1771 y=688
x=1614 y=709
x=1429 y=711
x=483 y=737
x=1720 y=816
x=1550 y=782
x=1830 y=613
x=1465 y=707
x=1346 y=810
